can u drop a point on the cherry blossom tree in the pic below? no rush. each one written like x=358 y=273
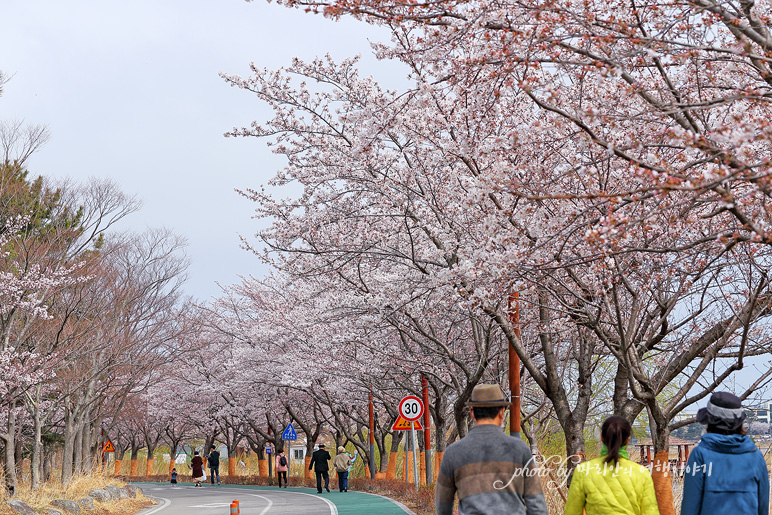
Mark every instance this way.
x=476 y=188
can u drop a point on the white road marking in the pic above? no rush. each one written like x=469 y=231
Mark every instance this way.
x=270 y=503
x=333 y=508
x=166 y=504
x=211 y=505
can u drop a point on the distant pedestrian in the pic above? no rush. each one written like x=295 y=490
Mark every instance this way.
x=491 y=472
x=612 y=484
x=197 y=467
x=214 y=464
x=319 y=461
x=282 y=467
x=341 y=464
x=726 y=472
x=174 y=477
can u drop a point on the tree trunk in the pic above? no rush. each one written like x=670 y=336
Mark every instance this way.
x=135 y=447
x=380 y=444
x=391 y=470
x=173 y=455
x=262 y=463
x=69 y=448
x=309 y=451
x=9 y=440
x=19 y=452
x=37 y=444
x=48 y=463
x=87 y=456
x=460 y=414
x=660 y=474
x=208 y=444
x=574 y=432
x=78 y=450
x=530 y=430
x=150 y=461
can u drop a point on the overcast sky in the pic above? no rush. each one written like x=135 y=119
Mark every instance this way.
x=130 y=91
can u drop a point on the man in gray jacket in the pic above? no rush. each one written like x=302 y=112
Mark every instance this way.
x=491 y=472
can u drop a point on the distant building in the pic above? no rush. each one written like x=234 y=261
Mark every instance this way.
x=685 y=415
x=762 y=413
x=298 y=448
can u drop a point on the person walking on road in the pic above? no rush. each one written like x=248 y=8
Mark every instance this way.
x=341 y=464
x=491 y=472
x=612 y=484
x=281 y=468
x=726 y=472
x=319 y=461
x=197 y=467
x=214 y=464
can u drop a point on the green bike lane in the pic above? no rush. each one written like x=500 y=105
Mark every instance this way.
x=210 y=499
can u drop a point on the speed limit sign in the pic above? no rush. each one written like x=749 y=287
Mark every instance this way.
x=411 y=408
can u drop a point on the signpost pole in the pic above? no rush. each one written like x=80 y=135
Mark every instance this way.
x=415 y=455
x=288 y=435
x=410 y=410
x=406 y=457
x=270 y=459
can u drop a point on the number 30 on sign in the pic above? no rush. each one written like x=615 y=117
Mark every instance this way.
x=411 y=408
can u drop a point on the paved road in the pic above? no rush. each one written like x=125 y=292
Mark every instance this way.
x=210 y=500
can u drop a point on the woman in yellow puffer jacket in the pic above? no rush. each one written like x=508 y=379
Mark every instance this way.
x=612 y=484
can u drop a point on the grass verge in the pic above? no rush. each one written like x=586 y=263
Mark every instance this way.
x=78 y=489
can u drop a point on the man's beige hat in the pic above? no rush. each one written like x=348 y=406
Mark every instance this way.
x=487 y=396
x=341 y=449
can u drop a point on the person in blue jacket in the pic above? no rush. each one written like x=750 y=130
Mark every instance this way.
x=726 y=473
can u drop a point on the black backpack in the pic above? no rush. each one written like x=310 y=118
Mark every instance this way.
x=283 y=461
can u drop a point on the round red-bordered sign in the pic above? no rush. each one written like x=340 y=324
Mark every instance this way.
x=411 y=408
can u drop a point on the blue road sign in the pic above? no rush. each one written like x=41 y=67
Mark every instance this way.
x=289 y=433
x=268 y=450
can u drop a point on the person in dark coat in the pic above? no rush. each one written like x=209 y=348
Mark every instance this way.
x=726 y=472
x=197 y=467
x=214 y=464
x=319 y=460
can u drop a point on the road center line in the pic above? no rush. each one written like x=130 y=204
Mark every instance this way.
x=270 y=503
x=333 y=508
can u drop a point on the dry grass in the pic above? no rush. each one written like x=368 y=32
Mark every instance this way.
x=78 y=489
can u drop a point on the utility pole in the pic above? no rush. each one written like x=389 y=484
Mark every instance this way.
x=427 y=432
x=514 y=367
x=371 y=412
